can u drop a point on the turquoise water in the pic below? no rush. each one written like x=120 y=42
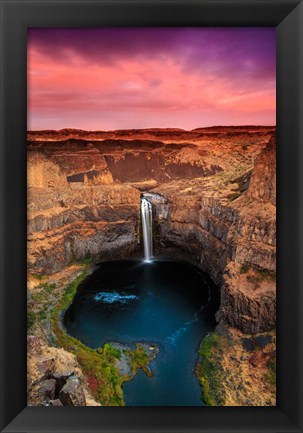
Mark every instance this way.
x=171 y=304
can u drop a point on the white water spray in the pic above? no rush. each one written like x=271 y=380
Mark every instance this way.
x=147 y=221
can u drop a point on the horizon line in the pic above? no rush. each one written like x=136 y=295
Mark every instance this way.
x=154 y=128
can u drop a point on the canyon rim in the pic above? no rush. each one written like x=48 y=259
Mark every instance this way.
x=151 y=232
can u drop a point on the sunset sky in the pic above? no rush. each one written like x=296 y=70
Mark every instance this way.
x=117 y=78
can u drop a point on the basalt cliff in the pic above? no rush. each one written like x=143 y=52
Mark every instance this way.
x=214 y=201
x=218 y=208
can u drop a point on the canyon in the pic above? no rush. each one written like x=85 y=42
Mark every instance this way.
x=213 y=194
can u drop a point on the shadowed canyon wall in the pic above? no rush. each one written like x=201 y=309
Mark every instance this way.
x=233 y=239
x=76 y=222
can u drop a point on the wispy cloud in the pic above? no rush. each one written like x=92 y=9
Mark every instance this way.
x=150 y=77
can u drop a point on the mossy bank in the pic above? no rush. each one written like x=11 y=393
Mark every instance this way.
x=236 y=369
x=105 y=369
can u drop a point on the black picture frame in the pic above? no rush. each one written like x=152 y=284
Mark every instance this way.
x=287 y=17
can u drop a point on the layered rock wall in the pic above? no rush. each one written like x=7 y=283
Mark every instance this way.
x=218 y=208
x=77 y=222
x=227 y=238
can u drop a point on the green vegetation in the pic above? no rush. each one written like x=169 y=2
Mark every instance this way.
x=46 y=304
x=234 y=196
x=271 y=374
x=86 y=261
x=62 y=204
x=99 y=366
x=31 y=319
x=266 y=275
x=244 y=268
x=38 y=304
x=208 y=369
x=258 y=275
x=111 y=351
x=140 y=359
x=242 y=182
x=70 y=291
x=38 y=276
x=47 y=287
x=222 y=379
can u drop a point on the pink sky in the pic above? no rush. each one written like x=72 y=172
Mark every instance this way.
x=101 y=79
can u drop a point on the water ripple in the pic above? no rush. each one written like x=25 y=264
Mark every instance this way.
x=172 y=339
x=112 y=297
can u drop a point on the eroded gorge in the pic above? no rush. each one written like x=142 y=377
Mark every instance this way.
x=213 y=193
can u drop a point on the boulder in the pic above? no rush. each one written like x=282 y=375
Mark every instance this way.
x=255 y=359
x=48 y=388
x=72 y=394
x=55 y=402
x=60 y=379
x=45 y=367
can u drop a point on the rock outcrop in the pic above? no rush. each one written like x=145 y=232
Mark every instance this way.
x=58 y=158
x=237 y=370
x=227 y=234
x=263 y=182
x=72 y=223
x=248 y=299
x=71 y=393
x=48 y=382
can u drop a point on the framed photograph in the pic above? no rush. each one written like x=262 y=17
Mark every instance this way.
x=151 y=216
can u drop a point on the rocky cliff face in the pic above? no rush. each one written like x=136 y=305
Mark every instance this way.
x=107 y=161
x=263 y=183
x=231 y=235
x=54 y=377
x=161 y=155
x=217 y=209
x=248 y=296
x=75 y=222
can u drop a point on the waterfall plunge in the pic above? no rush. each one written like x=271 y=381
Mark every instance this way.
x=147 y=221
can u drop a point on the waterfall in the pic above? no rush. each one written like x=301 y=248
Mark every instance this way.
x=147 y=221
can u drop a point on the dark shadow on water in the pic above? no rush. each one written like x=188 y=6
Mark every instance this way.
x=169 y=303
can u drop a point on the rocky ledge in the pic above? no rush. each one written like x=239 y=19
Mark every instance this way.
x=237 y=370
x=48 y=381
x=72 y=223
